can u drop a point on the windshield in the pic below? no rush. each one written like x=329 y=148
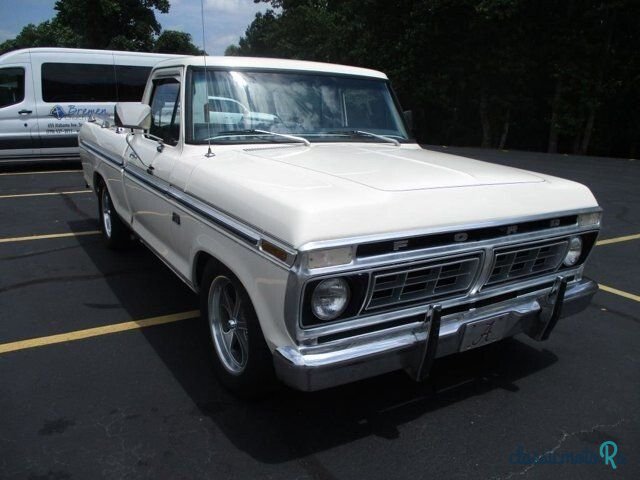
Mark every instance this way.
x=245 y=106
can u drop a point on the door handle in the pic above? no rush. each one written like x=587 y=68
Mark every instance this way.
x=25 y=112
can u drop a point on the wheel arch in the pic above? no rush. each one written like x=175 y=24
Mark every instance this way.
x=98 y=181
x=200 y=261
x=272 y=332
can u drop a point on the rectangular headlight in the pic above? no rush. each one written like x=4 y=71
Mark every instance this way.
x=330 y=257
x=589 y=219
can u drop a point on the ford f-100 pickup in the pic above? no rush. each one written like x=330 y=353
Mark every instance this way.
x=326 y=245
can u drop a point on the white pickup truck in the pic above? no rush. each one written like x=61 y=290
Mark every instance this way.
x=326 y=245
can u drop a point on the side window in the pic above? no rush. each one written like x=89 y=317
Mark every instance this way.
x=131 y=82
x=11 y=86
x=77 y=82
x=165 y=110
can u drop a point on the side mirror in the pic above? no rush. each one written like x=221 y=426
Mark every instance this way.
x=408 y=119
x=132 y=115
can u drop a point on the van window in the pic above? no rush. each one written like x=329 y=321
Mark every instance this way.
x=11 y=86
x=78 y=82
x=131 y=82
x=165 y=110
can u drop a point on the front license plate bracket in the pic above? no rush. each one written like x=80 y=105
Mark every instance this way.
x=483 y=332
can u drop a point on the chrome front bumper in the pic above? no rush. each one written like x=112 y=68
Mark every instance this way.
x=407 y=347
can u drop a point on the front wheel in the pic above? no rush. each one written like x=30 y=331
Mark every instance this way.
x=242 y=360
x=114 y=231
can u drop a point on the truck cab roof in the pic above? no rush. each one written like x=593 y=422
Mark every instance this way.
x=270 y=64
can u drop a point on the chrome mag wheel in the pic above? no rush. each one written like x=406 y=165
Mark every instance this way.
x=228 y=325
x=106 y=212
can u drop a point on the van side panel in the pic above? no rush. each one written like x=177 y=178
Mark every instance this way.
x=68 y=87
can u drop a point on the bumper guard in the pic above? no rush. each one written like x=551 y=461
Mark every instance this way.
x=415 y=346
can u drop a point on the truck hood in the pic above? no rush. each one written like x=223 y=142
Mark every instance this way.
x=326 y=192
x=395 y=169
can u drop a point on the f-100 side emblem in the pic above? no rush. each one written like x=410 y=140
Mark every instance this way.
x=397 y=245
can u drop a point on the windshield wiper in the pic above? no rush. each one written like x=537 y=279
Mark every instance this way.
x=235 y=133
x=361 y=133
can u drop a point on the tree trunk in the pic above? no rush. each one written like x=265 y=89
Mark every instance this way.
x=485 y=121
x=553 y=124
x=588 y=129
x=505 y=129
x=576 y=144
x=449 y=134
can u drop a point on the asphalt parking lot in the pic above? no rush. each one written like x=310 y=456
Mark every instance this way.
x=137 y=397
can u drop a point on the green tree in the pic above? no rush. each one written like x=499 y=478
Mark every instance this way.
x=95 y=23
x=533 y=74
x=105 y=24
x=586 y=68
x=173 y=41
x=47 y=34
x=303 y=31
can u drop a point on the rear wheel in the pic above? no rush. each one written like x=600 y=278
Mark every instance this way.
x=242 y=360
x=114 y=231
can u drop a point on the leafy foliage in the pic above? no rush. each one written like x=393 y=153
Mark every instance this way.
x=173 y=41
x=46 y=34
x=105 y=24
x=531 y=74
x=133 y=20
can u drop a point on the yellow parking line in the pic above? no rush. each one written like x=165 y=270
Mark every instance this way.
x=42 y=194
x=97 y=331
x=626 y=238
x=615 y=291
x=38 y=173
x=53 y=235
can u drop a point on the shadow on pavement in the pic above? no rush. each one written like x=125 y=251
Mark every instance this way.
x=289 y=424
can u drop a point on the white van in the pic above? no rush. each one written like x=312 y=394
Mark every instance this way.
x=47 y=93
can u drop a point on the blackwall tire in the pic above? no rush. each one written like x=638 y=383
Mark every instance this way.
x=115 y=232
x=242 y=360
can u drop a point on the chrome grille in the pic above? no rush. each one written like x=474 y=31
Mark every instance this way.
x=422 y=282
x=526 y=261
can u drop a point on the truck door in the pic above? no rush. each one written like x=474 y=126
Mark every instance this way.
x=149 y=165
x=18 y=118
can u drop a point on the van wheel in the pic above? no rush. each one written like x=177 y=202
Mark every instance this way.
x=242 y=360
x=114 y=231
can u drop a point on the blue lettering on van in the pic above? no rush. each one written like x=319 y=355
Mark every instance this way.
x=76 y=112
